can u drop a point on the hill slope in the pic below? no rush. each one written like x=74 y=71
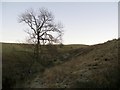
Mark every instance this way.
x=93 y=66
x=18 y=60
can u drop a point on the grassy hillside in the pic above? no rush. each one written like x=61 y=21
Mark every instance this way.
x=70 y=66
x=18 y=61
x=91 y=67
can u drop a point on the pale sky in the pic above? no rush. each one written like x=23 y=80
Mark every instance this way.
x=84 y=22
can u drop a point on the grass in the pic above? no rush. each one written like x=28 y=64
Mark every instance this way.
x=67 y=66
x=94 y=67
x=18 y=59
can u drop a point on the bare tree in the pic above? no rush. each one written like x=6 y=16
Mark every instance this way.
x=42 y=28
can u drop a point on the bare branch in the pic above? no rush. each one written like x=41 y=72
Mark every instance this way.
x=42 y=24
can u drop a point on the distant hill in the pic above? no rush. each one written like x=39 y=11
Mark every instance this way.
x=71 y=66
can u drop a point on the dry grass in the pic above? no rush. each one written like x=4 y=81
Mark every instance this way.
x=98 y=67
x=74 y=66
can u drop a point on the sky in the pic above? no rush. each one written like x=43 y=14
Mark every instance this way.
x=84 y=22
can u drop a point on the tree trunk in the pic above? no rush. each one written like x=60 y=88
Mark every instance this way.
x=37 y=46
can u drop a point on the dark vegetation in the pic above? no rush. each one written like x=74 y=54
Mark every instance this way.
x=63 y=66
x=19 y=65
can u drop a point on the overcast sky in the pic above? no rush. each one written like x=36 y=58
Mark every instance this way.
x=84 y=22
